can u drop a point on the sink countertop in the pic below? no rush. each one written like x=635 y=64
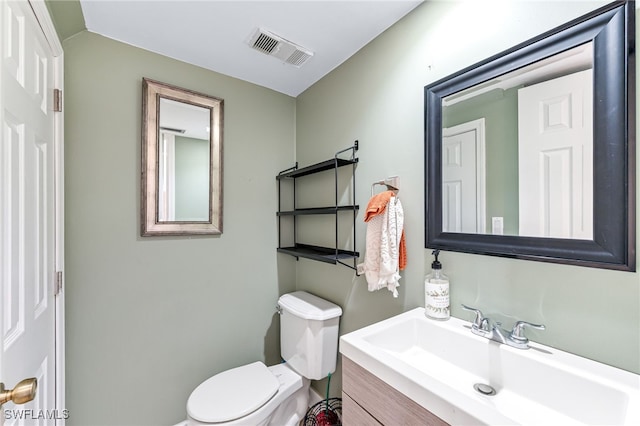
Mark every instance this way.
x=436 y=363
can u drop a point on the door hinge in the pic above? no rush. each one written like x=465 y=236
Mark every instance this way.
x=57 y=100
x=58 y=288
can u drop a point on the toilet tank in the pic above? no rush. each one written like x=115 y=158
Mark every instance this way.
x=309 y=334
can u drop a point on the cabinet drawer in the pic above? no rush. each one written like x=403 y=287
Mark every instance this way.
x=355 y=415
x=380 y=400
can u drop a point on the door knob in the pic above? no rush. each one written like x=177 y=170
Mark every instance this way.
x=22 y=393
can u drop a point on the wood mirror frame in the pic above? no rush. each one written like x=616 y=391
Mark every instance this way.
x=612 y=30
x=151 y=224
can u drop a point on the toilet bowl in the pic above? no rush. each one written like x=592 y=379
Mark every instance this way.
x=255 y=394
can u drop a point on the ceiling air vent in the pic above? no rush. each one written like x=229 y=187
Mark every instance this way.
x=172 y=129
x=265 y=43
x=273 y=45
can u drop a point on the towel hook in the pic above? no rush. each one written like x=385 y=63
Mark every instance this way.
x=392 y=183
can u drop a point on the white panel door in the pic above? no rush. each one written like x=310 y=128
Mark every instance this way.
x=463 y=178
x=27 y=213
x=555 y=133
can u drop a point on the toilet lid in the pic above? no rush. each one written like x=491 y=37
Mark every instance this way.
x=232 y=394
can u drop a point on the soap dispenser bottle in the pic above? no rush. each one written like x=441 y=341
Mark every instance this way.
x=436 y=292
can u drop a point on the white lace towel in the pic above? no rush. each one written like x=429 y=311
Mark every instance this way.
x=380 y=265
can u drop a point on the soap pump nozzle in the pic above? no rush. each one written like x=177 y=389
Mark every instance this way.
x=436 y=264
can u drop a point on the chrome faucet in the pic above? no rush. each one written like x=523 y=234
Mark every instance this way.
x=492 y=330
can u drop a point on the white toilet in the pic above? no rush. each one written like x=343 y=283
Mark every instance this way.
x=255 y=394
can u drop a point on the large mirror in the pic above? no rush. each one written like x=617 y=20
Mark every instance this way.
x=181 y=161
x=531 y=153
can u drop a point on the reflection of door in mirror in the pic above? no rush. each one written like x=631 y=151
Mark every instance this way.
x=531 y=189
x=183 y=162
x=555 y=121
x=463 y=178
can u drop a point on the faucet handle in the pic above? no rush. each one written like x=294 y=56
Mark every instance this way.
x=480 y=321
x=517 y=333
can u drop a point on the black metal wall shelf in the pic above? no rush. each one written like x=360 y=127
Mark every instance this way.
x=332 y=255
x=318 y=210
x=322 y=254
x=316 y=168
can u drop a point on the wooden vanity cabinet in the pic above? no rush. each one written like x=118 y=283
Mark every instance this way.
x=368 y=401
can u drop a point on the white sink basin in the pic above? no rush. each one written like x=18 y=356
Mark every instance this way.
x=436 y=363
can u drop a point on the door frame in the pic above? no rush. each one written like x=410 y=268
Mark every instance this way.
x=46 y=24
x=478 y=126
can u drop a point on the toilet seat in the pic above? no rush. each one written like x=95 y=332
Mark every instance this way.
x=232 y=394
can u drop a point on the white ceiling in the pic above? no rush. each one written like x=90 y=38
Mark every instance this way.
x=213 y=34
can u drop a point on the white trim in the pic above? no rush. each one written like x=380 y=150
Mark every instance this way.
x=481 y=172
x=44 y=19
x=59 y=235
x=2 y=185
x=314 y=397
x=167 y=178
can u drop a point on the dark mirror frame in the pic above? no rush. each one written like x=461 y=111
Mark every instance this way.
x=612 y=29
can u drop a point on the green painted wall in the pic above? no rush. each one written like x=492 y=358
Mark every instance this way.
x=169 y=312
x=148 y=319
x=500 y=110
x=377 y=97
x=192 y=178
x=67 y=17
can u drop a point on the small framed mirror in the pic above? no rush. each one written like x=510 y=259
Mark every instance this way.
x=181 y=161
x=530 y=154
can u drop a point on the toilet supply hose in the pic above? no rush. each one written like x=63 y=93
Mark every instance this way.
x=327 y=417
x=326 y=412
x=327 y=398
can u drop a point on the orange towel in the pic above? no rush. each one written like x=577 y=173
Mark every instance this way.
x=377 y=205
x=402 y=253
